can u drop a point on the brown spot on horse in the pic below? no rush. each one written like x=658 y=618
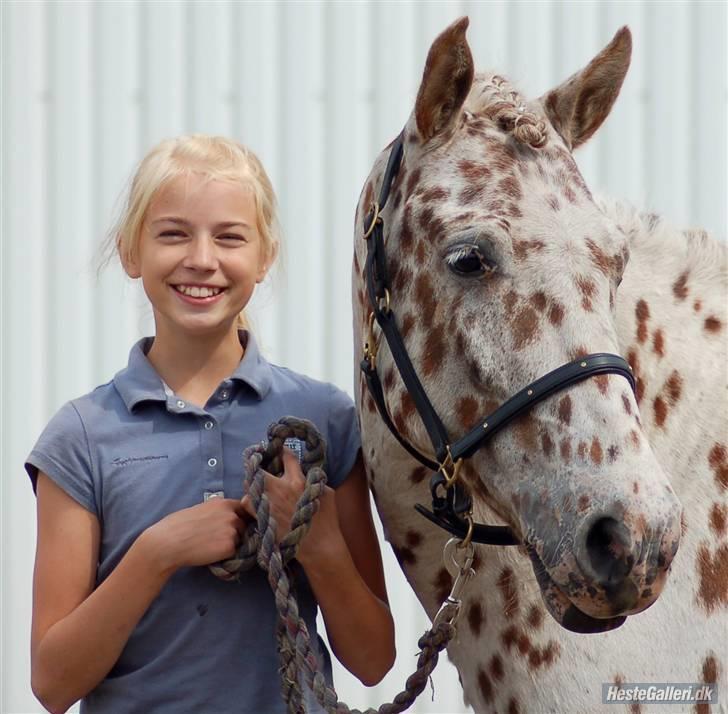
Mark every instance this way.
x=660 y=408
x=718 y=460
x=435 y=350
x=600 y=259
x=680 y=287
x=713 y=324
x=412 y=181
x=602 y=382
x=442 y=584
x=538 y=300
x=404 y=555
x=627 y=405
x=588 y=290
x=717 y=518
x=535 y=617
x=474 y=171
x=476 y=617
x=565 y=410
x=522 y=248
x=565 y=450
x=485 y=685
x=642 y=312
x=467 y=411
x=596 y=451
x=507 y=587
x=525 y=327
x=556 y=314
x=434 y=194
x=712 y=577
x=419 y=474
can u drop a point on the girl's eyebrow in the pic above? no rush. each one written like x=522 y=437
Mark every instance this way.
x=182 y=221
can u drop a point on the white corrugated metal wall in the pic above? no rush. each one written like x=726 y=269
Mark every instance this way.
x=316 y=88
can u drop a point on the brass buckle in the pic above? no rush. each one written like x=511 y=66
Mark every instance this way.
x=375 y=219
x=450 y=469
x=370 y=345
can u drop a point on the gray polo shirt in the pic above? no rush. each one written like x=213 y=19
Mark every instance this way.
x=132 y=452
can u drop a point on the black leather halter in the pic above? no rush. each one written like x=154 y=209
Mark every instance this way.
x=449 y=500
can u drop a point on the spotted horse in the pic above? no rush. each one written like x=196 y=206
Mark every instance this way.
x=496 y=267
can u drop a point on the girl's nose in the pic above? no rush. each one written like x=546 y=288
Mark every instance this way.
x=201 y=254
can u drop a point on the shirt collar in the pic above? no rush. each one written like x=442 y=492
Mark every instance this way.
x=254 y=370
x=140 y=382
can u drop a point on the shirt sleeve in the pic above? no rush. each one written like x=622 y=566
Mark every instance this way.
x=62 y=452
x=344 y=440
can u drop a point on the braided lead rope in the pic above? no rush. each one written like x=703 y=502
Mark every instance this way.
x=259 y=544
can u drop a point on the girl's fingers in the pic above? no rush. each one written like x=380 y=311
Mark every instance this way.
x=245 y=510
x=291 y=466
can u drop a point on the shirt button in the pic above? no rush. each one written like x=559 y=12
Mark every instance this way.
x=209 y=425
x=224 y=394
x=180 y=404
x=212 y=463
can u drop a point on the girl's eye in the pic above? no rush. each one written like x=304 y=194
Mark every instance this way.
x=469 y=261
x=232 y=237
x=171 y=234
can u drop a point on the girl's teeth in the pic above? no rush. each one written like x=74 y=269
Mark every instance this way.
x=194 y=291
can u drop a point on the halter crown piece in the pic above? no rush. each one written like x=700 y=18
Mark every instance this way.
x=451 y=503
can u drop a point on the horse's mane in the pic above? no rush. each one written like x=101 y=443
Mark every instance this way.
x=493 y=97
x=698 y=252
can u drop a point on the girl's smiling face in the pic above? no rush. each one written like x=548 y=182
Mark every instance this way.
x=199 y=255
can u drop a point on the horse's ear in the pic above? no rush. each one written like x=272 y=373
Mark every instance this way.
x=446 y=81
x=578 y=107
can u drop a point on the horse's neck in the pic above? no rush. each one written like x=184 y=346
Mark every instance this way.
x=672 y=327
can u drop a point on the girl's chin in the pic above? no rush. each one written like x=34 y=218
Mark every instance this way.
x=196 y=326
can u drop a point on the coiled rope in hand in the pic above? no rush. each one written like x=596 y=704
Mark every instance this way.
x=259 y=544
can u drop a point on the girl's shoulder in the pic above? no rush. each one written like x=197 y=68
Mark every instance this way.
x=287 y=381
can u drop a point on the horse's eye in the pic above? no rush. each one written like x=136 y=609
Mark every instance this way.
x=469 y=261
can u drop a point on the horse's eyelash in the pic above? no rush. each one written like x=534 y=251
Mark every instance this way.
x=462 y=251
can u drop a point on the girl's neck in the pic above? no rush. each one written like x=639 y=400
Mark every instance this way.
x=194 y=366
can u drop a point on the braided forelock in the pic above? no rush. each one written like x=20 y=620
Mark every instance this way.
x=492 y=96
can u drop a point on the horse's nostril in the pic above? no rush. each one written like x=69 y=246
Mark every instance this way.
x=609 y=551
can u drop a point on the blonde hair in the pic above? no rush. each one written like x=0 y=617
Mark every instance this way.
x=213 y=157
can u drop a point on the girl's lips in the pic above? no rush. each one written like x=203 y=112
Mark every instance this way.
x=199 y=300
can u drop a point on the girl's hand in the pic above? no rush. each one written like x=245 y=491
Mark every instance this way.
x=283 y=493
x=200 y=535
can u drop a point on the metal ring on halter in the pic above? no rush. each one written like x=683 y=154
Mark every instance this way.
x=384 y=309
x=468 y=540
x=375 y=219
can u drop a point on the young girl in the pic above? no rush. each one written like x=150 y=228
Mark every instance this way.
x=139 y=483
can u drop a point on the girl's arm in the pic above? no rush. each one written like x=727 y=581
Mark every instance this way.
x=78 y=632
x=343 y=563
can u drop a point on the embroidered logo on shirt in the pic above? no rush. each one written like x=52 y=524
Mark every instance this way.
x=295 y=445
x=118 y=461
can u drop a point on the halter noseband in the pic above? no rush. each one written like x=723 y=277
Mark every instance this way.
x=450 y=501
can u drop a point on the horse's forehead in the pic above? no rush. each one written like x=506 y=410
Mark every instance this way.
x=484 y=170
x=534 y=195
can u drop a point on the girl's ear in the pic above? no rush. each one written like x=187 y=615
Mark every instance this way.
x=266 y=263
x=129 y=261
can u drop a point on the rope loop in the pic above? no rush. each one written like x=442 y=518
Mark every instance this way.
x=298 y=661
